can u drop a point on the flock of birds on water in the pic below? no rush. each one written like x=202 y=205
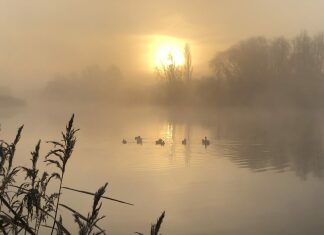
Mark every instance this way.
x=139 y=140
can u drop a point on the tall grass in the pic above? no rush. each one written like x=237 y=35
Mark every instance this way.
x=28 y=207
x=59 y=156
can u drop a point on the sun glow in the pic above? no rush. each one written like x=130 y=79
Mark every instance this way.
x=169 y=54
x=165 y=50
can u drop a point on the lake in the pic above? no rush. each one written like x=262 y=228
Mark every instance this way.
x=262 y=173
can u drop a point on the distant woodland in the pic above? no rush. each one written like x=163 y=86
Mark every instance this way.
x=9 y=101
x=257 y=72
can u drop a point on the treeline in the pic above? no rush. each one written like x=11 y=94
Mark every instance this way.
x=94 y=85
x=271 y=72
x=258 y=72
x=7 y=101
x=89 y=85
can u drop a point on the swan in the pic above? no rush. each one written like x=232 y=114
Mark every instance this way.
x=205 y=141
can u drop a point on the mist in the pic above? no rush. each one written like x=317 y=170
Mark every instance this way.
x=42 y=39
x=162 y=117
x=258 y=72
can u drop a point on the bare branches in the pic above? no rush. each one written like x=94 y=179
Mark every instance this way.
x=170 y=71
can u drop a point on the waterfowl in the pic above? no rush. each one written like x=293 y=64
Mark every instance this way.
x=205 y=141
x=139 y=139
x=160 y=142
x=184 y=141
x=124 y=141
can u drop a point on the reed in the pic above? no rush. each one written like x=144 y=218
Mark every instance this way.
x=28 y=207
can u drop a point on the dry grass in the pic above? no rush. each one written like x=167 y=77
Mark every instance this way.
x=27 y=207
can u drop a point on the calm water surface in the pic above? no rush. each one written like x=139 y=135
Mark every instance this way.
x=262 y=173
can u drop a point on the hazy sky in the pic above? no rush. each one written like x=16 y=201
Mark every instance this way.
x=40 y=38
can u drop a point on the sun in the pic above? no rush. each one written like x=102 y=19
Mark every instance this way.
x=161 y=48
x=167 y=54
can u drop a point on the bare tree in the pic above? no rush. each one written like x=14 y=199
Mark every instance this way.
x=187 y=67
x=279 y=53
x=169 y=70
x=318 y=51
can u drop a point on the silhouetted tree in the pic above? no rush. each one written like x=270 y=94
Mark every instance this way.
x=259 y=71
x=169 y=70
x=175 y=91
x=187 y=67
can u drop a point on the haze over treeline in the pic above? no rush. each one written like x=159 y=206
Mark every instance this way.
x=7 y=100
x=254 y=72
x=259 y=71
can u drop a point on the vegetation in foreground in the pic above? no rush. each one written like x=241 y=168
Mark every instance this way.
x=30 y=207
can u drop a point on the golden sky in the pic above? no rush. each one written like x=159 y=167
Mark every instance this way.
x=40 y=38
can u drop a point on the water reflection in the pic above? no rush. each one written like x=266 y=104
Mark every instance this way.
x=292 y=141
x=175 y=134
x=221 y=189
x=188 y=144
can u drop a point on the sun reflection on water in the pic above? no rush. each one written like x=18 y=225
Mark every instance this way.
x=167 y=132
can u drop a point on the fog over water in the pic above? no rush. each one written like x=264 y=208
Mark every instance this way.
x=262 y=173
x=236 y=99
